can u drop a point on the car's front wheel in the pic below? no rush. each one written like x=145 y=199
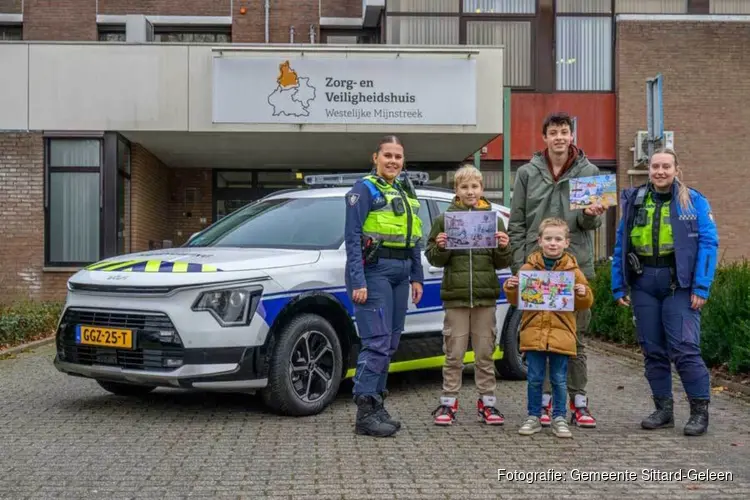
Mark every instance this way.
x=513 y=365
x=125 y=389
x=305 y=368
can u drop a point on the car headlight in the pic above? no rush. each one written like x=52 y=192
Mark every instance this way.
x=231 y=306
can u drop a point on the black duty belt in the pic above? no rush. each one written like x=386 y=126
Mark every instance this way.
x=394 y=253
x=661 y=261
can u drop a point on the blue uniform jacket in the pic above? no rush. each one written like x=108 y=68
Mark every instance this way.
x=696 y=241
x=359 y=201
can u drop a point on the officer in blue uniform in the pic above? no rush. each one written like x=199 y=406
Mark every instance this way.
x=383 y=250
x=665 y=254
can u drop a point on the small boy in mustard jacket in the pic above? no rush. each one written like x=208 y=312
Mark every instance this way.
x=549 y=335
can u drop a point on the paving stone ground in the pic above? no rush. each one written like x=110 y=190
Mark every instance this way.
x=64 y=437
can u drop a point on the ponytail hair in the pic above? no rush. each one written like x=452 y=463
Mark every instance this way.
x=683 y=191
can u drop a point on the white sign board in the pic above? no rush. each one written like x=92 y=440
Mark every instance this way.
x=307 y=90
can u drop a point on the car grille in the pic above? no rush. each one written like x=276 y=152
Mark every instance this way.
x=157 y=343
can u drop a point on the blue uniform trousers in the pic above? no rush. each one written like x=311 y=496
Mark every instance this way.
x=669 y=330
x=380 y=321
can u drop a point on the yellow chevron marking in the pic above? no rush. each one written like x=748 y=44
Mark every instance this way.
x=180 y=267
x=420 y=364
x=152 y=266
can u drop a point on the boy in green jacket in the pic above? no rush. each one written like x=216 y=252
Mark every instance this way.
x=469 y=292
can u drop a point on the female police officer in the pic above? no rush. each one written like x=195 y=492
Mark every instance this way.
x=383 y=254
x=666 y=254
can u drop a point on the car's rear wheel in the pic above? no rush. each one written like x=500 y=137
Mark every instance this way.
x=125 y=389
x=305 y=368
x=513 y=364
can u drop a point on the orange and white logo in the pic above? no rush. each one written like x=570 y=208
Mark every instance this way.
x=293 y=93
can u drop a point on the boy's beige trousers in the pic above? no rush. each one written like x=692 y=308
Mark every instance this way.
x=459 y=325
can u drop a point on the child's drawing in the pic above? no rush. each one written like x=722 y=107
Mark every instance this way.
x=471 y=229
x=587 y=191
x=546 y=290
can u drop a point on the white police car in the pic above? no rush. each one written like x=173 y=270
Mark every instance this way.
x=256 y=301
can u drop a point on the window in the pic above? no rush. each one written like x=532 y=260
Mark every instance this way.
x=112 y=33
x=424 y=214
x=295 y=223
x=729 y=7
x=584 y=6
x=123 y=198
x=500 y=6
x=584 y=53
x=430 y=6
x=651 y=6
x=419 y=30
x=72 y=201
x=11 y=32
x=516 y=37
x=193 y=34
x=442 y=206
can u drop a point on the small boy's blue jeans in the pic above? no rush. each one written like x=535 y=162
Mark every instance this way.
x=536 y=362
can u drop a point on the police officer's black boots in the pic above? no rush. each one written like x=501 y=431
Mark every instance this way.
x=697 y=424
x=368 y=418
x=663 y=417
x=384 y=415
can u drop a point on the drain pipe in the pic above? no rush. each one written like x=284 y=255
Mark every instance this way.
x=268 y=9
x=291 y=34
x=312 y=33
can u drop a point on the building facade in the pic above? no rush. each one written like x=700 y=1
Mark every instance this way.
x=76 y=185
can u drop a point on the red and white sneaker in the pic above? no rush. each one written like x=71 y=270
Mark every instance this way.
x=487 y=413
x=546 y=418
x=581 y=415
x=445 y=414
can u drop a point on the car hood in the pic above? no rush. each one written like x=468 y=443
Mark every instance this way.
x=206 y=259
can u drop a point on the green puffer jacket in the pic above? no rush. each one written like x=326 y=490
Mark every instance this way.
x=469 y=277
x=536 y=196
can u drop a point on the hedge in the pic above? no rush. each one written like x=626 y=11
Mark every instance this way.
x=27 y=320
x=725 y=319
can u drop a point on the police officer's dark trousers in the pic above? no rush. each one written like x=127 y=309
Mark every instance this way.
x=380 y=321
x=669 y=331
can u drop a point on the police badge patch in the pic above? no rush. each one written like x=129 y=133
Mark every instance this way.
x=353 y=198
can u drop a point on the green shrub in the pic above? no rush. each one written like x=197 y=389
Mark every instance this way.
x=27 y=320
x=610 y=321
x=725 y=319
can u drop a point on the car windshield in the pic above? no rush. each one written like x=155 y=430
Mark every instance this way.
x=289 y=223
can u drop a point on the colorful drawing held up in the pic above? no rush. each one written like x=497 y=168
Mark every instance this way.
x=587 y=191
x=546 y=290
x=466 y=230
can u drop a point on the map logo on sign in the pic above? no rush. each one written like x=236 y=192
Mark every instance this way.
x=293 y=94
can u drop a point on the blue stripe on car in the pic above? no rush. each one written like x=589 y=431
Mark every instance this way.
x=272 y=304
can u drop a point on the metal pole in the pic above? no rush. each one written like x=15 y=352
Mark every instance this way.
x=477 y=159
x=506 y=147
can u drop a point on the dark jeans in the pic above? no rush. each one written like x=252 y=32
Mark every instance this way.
x=380 y=321
x=558 y=373
x=577 y=370
x=669 y=331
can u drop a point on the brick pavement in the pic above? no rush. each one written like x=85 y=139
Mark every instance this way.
x=66 y=437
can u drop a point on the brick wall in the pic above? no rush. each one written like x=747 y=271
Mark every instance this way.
x=250 y=28
x=706 y=71
x=150 y=197
x=341 y=8
x=167 y=7
x=59 y=20
x=22 y=221
x=10 y=6
x=190 y=201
